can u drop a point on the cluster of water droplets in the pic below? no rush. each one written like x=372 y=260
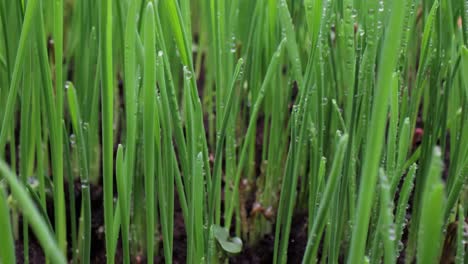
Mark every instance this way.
x=242 y=69
x=370 y=41
x=380 y=16
x=84 y=184
x=188 y=74
x=72 y=140
x=466 y=16
x=84 y=125
x=33 y=182
x=233 y=44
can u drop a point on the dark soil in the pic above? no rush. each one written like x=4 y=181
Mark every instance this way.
x=261 y=252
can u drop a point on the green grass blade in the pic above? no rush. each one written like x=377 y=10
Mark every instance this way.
x=252 y=122
x=403 y=146
x=461 y=236
x=77 y=123
x=149 y=117
x=319 y=221
x=386 y=214
x=291 y=44
x=30 y=212
x=402 y=207
x=125 y=188
x=215 y=192
x=55 y=144
x=377 y=125
x=31 y=10
x=7 y=250
x=432 y=214
x=122 y=190
x=107 y=95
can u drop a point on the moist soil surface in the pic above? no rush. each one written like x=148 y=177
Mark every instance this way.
x=261 y=252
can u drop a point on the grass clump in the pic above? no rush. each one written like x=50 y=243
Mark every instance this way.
x=208 y=131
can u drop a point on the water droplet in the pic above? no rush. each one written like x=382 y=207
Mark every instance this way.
x=187 y=73
x=33 y=182
x=84 y=184
x=324 y=101
x=381 y=6
x=72 y=139
x=354 y=13
x=233 y=45
x=392 y=233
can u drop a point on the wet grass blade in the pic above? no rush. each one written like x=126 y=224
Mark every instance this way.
x=107 y=95
x=432 y=214
x=319 y=222
x=461 y=235
x=77 y=124
x=55 y=145
x=7 y=251
x=250 y=129
x=377 y=126
x=31 y=10
x=402 y=207
x=125 y=187
x=387 y=227
x=215 y=192
x=291 y=44
x=30 y=212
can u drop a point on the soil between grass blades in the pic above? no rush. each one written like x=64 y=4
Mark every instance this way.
x=261 y=252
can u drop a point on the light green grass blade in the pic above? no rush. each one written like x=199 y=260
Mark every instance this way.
x=31 y=10
x=30 y=212
x=291 y=44
x=107 y=95
x=461 y=236
x=319 y=222
x=7 y=251
x=432 y=214
x=214 y=199
x=252 y=122
x=377 y=126
x=387 y=227
x=402 y=207
x=77 y=123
